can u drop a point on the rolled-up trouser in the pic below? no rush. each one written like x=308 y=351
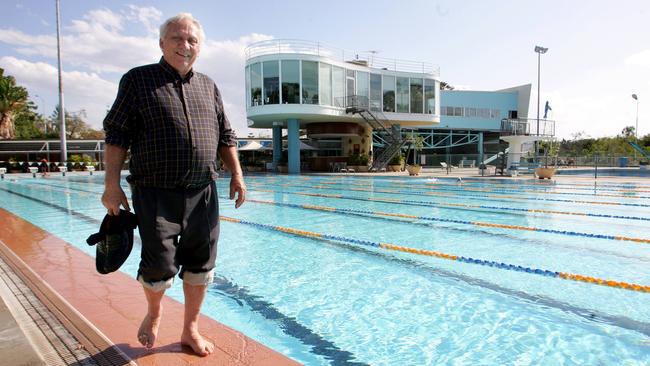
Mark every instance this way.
x=179 y=229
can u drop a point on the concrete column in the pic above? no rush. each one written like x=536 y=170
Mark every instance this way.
x=277 y=146
x=293 y=139
x=480 y=148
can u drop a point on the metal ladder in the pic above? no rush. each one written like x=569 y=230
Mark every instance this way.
x=390 y=135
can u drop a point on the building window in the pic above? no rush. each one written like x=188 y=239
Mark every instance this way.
x=338 y=86
x=247 y=76
x=271 y=82
x=402 y=96
x=429 y=96
x=325 y=83
x=450 y=111
x=290 y=82
x=256 y=84
x=389 y=93
x=330 y=147
x=416 y=95
x=309 y=82
x=494 y=114
x=375 y=92
x=362 y=86
x=350 y=82
x=458 y=111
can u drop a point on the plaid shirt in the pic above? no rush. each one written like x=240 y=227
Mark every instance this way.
x=173 y=126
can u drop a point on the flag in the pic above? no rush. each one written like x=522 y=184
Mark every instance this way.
x=546 y=109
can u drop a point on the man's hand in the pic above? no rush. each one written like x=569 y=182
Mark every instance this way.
x=238 y=186
x=113 y=197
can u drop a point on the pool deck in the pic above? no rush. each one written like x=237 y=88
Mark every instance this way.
x=101 y=313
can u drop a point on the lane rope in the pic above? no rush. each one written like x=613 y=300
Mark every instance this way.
x=436 y=254
x=454 y=205
x=454 y=221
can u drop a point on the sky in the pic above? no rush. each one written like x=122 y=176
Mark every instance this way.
x=599 y=51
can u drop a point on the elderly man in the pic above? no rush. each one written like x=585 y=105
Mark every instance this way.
x=172 y=119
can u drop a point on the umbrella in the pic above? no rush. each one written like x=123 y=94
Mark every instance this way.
x=252 y=146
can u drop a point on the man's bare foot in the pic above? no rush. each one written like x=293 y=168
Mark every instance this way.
x=148 y=331
x=199 y=345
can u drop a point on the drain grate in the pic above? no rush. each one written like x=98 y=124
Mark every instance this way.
x=49 y=338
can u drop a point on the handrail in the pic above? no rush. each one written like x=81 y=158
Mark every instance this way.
x=527 y=127
x=368 y=58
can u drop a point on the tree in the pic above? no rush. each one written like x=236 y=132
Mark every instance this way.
x=417 y=142
x=75 y=125
x=27 y=123
x=13 y=99
x=628 y=132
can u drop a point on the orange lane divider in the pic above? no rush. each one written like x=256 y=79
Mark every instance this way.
x=446 y=256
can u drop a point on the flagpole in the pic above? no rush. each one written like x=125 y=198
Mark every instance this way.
x=64 y=150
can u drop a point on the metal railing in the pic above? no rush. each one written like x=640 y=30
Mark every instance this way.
x=367 y=58
x=527 y=127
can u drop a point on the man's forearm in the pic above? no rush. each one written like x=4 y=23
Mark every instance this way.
x=230 y=159
x=114 y=157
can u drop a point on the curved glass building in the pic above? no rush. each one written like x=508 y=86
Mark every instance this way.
x=340 y=99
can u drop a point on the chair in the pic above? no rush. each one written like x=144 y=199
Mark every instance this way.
x=444 y=166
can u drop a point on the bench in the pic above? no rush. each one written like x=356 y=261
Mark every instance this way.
x=467 y=163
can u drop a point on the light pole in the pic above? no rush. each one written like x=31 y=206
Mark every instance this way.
x=64 y=150
x=636 y=128
x=539 y=50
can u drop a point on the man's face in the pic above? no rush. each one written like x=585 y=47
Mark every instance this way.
x=181 y=46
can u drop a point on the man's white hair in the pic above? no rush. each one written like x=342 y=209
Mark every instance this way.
x=179 y=17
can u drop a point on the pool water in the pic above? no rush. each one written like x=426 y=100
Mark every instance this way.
x=301 y=270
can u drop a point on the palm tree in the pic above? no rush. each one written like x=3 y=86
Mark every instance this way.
x=13 y=99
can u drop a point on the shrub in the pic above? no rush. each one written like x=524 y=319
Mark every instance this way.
x=397 y=160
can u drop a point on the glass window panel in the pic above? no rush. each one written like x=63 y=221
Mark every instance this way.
x=389 y=93
x=402 y=96
x=429 y=96
x=338 y=86
x=375 y=92
x=416 y=96
x=309 y=82
x=247 y=75
x=271 y=82
x=458 y=111
x=325 y=83
x=256 y=84
x=362 y=87
x=290 y=82
x=494 y=113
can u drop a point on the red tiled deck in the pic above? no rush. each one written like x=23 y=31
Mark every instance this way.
x=114 y=304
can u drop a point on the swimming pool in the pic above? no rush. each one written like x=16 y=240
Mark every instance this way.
x=348 y=270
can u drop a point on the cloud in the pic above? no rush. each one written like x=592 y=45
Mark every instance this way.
x=224 y=61
x=149 y=16
x=639 y=59
x=82 y=90
x=98 y=48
